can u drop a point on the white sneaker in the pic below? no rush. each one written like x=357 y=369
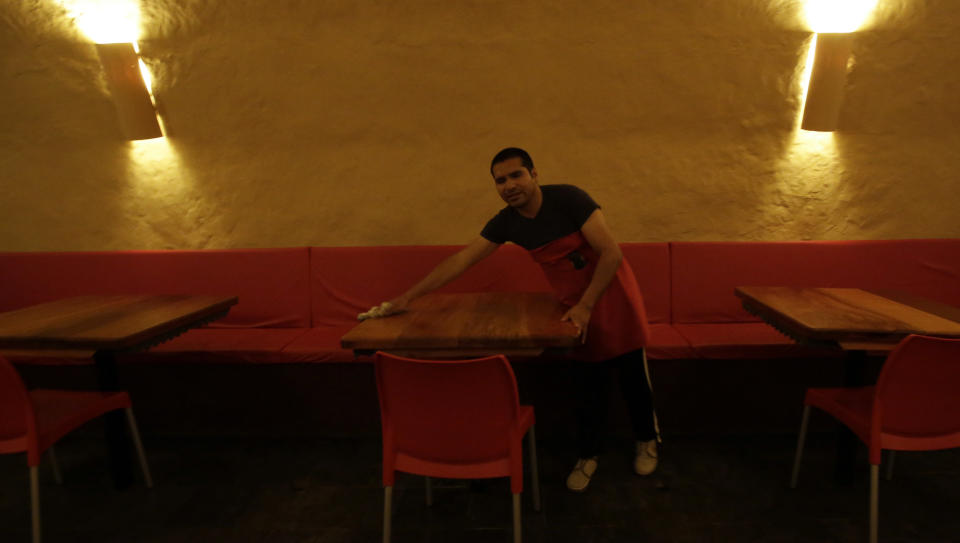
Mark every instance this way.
x=646 y=460
x=579 y=478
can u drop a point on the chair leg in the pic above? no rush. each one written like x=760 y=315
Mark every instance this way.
x=517 y=532
x=800 y=441
x=428 y=486
x=132 y=421
x=874 y=501
x=890 y=457
x=55 y=465
x=35 y=503
x=387 y=512
x=534 y=468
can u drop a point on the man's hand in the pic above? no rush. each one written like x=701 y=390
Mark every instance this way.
x=383 y=310
x=579 y=315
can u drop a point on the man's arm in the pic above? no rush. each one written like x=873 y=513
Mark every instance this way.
x=448 y=270
x=599 y=237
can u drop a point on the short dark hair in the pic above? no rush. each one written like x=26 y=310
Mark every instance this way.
x=512 y=152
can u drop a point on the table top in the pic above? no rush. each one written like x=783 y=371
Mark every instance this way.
x=852 y=318
x=472 y=324
x=108 y=322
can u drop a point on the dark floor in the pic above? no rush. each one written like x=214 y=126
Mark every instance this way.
x=322 y=490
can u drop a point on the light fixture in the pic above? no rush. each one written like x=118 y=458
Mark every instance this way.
x=130 y=96
x=821 y=111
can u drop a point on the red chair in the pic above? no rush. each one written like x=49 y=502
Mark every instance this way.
x=453 y=419
x=32 y=421
x=913 y=407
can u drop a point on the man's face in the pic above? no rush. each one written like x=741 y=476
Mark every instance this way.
x=515 y=184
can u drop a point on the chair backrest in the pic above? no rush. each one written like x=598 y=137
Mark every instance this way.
x=917 y=391
x=447 y=411
x=16 y=416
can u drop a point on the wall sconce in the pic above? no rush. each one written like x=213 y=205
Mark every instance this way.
x=821 y=111
x=130 y=96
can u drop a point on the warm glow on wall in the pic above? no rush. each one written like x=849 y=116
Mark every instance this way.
x=838 y=15
x=106 y=21
x=809 y=144
x=158 y=171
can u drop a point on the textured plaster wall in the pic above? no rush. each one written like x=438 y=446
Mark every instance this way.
x=359 y=122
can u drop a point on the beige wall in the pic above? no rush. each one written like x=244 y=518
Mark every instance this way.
x=359 y=122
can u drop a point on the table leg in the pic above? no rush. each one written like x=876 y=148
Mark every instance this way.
x=854 y=369
x=118 y=443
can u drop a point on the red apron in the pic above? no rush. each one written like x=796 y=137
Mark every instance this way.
x=618 y=323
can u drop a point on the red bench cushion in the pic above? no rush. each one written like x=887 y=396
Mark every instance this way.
x=322 y=344
x=272 y=284
x=201 y=345
x=211 y=345
x=745 y=340
x=667 y=343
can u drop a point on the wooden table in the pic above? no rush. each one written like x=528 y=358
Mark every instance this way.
x=849 y=318
x=103 y=326
x=855 y=320
x=468 y=325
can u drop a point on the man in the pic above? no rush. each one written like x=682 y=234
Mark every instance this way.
x=564 y=231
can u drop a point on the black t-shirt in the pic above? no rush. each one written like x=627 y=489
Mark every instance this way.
x=564 y=210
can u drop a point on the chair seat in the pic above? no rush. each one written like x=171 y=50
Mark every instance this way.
x=60 y=411
x=851 y=406
x=499 y=467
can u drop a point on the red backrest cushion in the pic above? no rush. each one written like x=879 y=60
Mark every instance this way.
x=705 y=273
x=272 y=284
x=651 y=266
x=348 y=280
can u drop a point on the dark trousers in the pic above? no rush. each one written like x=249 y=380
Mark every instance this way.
x=593 y=381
